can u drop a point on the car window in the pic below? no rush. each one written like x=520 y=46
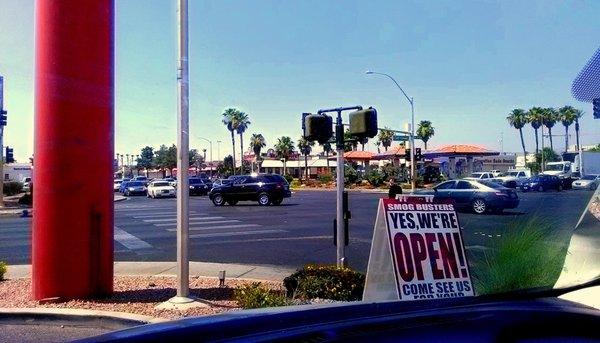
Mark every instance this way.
x=464 y=185
x=446 y=185
x=239 y=180
x=160 y=184
x=134 y=184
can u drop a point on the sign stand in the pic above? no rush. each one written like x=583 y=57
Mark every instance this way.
x=417 y=252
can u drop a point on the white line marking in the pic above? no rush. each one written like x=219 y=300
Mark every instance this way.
x=207 y=223
x=171 y=214
x=239 y=233
x=216 y=227
x=130 y=241
x=175 y=219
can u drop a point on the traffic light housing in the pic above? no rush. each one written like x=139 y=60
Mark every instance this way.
x=3 y=118
x=10 y=157
x=363 y=123
x=418 y=155
x=317 y=127
x=407 y=154
x=596 y=103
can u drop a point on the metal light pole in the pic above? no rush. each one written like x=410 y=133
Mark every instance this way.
x=211 y=155
x=1 y=144
x=412 y=129
x=183 y=271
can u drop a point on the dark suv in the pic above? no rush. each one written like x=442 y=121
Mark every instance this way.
x=266 y=189
x=198 y=186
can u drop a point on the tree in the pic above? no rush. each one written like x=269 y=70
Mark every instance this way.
x=350 y=142
x=243 y=121
x=230 y=120
x=534 y=117
x=517 y=118
x=363 y=141
x=578 y=114
x=257 y=142
x=196 y=160
x=305 y=148
x=327 y=149
x=385 y=137
x=284 y=149
x=225 y=169
x=378 y=144
x=567 y=115
x=425 y=131
x=549 y=118
x=146 y=159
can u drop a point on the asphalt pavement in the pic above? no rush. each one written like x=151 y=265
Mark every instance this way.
x=295 y=233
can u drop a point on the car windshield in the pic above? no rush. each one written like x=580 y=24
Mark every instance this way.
x=329 y=151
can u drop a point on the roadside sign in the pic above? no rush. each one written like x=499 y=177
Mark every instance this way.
x=400 y=138
x=417 y=252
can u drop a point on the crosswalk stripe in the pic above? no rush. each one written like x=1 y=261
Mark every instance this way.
x=175 y=219
x=130 y=241
x=171 y=214
x=229 y=234
x=203 y=223
x=215 y=227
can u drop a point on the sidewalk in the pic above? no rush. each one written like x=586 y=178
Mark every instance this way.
x=204 y=269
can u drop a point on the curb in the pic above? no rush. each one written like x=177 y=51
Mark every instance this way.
x=120 y=198
x=16 y=213
x=121 y=318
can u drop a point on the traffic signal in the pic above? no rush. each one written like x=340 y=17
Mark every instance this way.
x=418 y=154
x=363 y=123
x=3 y=118
x=596 y=103
x=318 y=127
x=407 y=154
x=10 y=157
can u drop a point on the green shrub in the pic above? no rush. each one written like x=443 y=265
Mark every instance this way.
x=325 y=177
x=351 y=175
x=295 y=183
x=3 y=269
x=326 y=282
x=255 y=295
x=526 y=256
x=289 y=178
x=12 y=188
x=375 y=177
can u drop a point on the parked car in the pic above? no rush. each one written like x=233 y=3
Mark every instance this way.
x=134 y=188
x=26 y=184
x=542 y=183
x=590 y=181
x=515 y=177
x=198 y=186
x=123 y=186
x=265 y=188
x=480 y=176
x=160 y=189
x=117 y=184
x=142 y=179
x=477 y=196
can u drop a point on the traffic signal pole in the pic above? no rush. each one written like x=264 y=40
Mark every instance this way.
x=340 y=246
x=1 y=144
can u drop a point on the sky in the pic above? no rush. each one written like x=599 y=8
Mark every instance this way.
x=467 y=64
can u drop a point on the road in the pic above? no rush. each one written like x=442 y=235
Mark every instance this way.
x=297 y=232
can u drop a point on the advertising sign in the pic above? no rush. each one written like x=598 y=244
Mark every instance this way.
x=417 y=252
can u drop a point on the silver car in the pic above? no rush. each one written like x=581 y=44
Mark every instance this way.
x=589 y=181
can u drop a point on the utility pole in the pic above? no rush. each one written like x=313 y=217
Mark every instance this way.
x=183 y=268
x=2 y=142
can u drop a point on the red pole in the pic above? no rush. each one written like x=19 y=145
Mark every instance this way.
x=72 y=240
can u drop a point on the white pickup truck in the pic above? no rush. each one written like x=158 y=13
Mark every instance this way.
x=515 y=177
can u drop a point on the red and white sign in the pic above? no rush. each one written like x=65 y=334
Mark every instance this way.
x=417 y=252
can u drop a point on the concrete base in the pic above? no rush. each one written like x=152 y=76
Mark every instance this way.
x=181 y=303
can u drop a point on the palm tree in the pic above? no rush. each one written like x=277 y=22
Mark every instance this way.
x=425 y=131
x=327 y=150
x=549 y=118
x=378 y=144
x=578 y=114
x=283 y=149
x=517 y=119
x=363 y=141
x=567 y=115
x=534 y=117
x=230 y=120
x=257 y=142
x=385 y=137
x=243 y=121
x=305 y=148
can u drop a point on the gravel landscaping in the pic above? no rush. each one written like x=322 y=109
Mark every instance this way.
x=136 y=294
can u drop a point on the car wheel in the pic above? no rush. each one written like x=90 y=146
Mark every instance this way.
x=559 y=188
x=277 y=201
x=479 y=206
x=540 y=188
x=218 y=200
x=264 y=199
x=126 y=193
x=232 y=202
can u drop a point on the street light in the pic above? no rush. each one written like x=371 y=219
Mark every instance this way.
x=211 y=156
x=412 y=128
